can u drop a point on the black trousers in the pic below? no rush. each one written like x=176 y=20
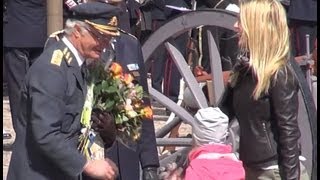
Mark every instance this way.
x=164 y=69
x=227 y=44
x=17 y=62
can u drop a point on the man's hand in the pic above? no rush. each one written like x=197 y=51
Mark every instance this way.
x=150 y=173
x=101 y=169
x=103 y=123
x=171 y=172
x=199 y=71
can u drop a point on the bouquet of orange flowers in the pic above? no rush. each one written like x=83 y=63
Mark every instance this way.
x=112 y=91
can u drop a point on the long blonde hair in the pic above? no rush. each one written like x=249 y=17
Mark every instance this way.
x=265 y=35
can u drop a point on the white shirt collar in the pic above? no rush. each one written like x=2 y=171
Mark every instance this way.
x=79 y=58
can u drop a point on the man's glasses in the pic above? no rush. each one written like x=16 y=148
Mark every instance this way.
x=100 y=37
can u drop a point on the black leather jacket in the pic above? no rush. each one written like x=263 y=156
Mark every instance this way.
x=269 y=129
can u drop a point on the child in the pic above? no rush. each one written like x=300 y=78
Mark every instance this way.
x=211 y=158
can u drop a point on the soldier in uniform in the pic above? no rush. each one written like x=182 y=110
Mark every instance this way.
x=163 y=68
x=52 y=98
x=24 y=34
x=129 y=55
x=6 y=135
x=127 y=159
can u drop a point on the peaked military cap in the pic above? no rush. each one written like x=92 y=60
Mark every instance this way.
x=99 y=15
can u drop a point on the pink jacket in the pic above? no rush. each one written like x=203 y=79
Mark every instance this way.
x=214 y=162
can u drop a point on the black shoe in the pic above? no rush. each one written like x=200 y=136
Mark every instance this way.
x=7 y=135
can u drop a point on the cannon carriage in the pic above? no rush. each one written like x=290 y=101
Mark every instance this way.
x=225 y=19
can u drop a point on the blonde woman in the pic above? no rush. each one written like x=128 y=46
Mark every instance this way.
x=263 y=93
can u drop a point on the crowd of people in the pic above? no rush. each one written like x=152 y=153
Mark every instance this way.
x=47 y=88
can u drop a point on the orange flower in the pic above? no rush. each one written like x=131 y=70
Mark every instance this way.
x=116 y=69
x=147 y=112
x=127 y=79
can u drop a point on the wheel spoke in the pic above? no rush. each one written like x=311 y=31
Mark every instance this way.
x=216 y=71
x=187 y=76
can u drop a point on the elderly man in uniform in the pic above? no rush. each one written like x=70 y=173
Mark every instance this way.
x=52 y=98
x=129 y=55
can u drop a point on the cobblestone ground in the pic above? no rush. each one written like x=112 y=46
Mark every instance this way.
x=7 y=125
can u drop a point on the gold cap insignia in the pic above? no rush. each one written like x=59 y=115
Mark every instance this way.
x=113 y=21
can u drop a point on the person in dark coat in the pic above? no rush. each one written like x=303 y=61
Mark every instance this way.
x=165 y=75
x=24 y=34
x=52 y=99
x=125 y=15
x=135 y=17
x=225 y=39
x=146 y=154
x=163 y=68
x=6 y=135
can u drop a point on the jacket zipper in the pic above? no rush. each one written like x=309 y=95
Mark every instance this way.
x=265 y=130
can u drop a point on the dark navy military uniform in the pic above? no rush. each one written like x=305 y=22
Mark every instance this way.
x=225 y=39
x=128 y=55
x=163 y=67
x=24 y=34
x=124 y=17
x=133 y=11
x=52 y=98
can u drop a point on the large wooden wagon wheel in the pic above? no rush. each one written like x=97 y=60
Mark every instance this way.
x=224 y=19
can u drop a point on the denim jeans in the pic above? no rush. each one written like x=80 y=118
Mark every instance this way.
x=273 y=174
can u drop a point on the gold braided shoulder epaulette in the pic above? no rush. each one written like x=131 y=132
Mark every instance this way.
x=54 y=34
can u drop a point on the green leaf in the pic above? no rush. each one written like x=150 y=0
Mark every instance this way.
x=100 y=106
x=139 y=89
x=125 y=118
x=109 y=104
x=127 y=132
x=118 y=119
x=104 y=85
x=97 y=90
x=111 y=89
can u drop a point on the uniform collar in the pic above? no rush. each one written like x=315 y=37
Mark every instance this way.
x=74 y=51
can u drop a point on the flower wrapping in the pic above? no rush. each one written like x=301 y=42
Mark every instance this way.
x=112 y=91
